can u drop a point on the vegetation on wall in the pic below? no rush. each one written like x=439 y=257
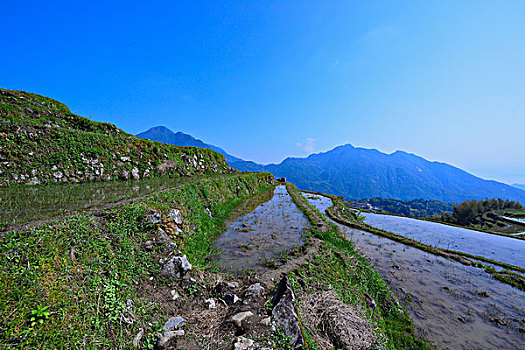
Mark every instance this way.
x=41 y=141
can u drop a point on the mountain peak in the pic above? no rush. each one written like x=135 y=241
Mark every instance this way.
x=159 y=128
x=163 y=134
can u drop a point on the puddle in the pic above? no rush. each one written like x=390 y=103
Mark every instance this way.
x=261 y=233
x=452 y=305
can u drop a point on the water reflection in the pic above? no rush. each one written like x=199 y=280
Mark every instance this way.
x=263 y=235
x=452 y=305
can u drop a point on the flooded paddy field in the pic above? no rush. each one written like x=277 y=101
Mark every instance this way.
x=23 y=203
x=259 y=237
x=452 y=305
x=490 y=246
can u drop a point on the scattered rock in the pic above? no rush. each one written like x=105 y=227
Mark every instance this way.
x=211 y=303
x=208 y=211
x=231 y=299
x=176 y=268
x=284 y=313
x=265 y=321
x=138 y=338
x=170 y=245
x=232 y=285
x=241 y=316
x=135 y=173
x=166 y=166
x=124 y=174
x=164 y=338
x=176 y=216
x=152 y=218
x=242 y=343
x=174 y=294
x=254 y=290
x=174 y=323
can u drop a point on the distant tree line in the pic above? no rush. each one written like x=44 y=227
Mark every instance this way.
x=413 y=208
x=471 y=212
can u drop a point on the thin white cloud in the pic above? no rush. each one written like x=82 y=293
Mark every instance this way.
x=308 y=146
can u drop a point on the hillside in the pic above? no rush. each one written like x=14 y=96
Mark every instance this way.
x=42 y=141
x=357 y=173
x=165 y=135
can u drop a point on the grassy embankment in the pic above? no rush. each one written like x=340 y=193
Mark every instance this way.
x=339 y=266
x=42 y=141
x=340 y=213
x=79 y=282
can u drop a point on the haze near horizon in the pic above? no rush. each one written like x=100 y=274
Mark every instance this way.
x=268 y=80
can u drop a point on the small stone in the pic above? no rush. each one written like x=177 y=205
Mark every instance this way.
x=242 y=343
x=138 y=338
x=241 y=316
x=174 y=294
x=208 y=211
x=232 y=285
x=176 y=268
x=135 y=173
x=211 y=303
x=176 y=216
x=124 y=174
x=254 y=290
x=266 y=321
x=174 y=323
x=164 y=338
x=231 y=299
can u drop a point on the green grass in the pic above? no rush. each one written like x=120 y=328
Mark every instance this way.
x=83 y=269
x=339 y=266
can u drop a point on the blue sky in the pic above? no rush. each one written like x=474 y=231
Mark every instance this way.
x=269 y=79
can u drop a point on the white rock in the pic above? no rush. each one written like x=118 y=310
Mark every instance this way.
x=164 y=338
x=232 y=285
x=138 y=338
x=241 y=316
x=266 y=321
x=211 y=303
x=176 y=216
x=242 y=343
x=174 y=294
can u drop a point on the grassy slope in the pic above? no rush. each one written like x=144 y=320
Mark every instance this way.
x=339 y=266
x=83 y=269
x=41 y=141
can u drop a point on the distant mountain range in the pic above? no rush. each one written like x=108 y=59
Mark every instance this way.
x=357 y=173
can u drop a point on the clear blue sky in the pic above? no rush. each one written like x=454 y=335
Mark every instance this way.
x=269 y=79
